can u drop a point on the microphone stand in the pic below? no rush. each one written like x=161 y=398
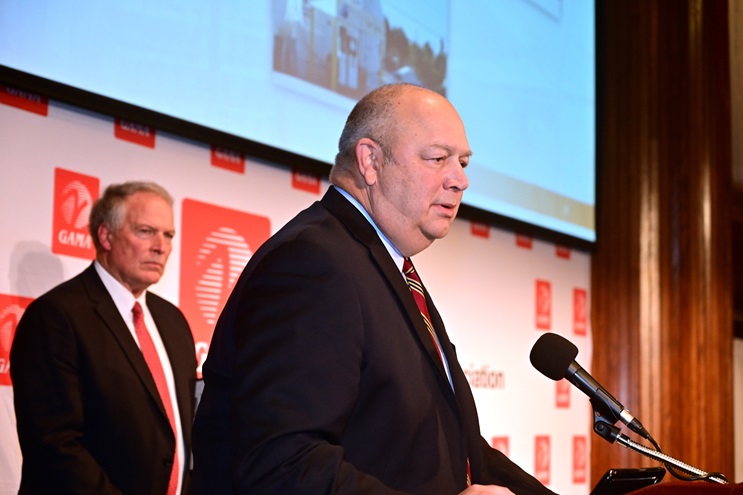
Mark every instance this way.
x=606 y=430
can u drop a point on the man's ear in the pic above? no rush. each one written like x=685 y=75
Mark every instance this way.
x=368 y=159
x=104 y=236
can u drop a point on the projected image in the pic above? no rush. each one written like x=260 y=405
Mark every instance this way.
x=352 y=46
x=286 y=73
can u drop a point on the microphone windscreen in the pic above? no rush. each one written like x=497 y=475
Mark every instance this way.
x=552 y=355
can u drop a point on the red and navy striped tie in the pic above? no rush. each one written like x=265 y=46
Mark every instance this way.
x=416 y=287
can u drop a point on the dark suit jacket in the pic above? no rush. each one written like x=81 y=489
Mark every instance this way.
x=88 y=413
x=322 y=378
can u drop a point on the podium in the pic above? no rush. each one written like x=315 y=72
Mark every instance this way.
x=690 y=488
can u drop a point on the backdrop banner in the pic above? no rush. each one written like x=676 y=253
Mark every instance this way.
x=497 y=291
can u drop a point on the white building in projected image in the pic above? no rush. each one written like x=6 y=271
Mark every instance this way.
x=337 y=44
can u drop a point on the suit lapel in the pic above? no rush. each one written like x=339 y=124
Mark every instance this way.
x=111 y=319
x=365 y=233
x=462 y=400
x=395 y=277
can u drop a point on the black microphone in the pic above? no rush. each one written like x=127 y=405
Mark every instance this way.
x=554 y=357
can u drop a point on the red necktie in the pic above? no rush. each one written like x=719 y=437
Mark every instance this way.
x=416 y=287
x=156 y=368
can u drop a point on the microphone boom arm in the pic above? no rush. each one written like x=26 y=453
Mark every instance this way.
x=609 y=432
x=554 y=357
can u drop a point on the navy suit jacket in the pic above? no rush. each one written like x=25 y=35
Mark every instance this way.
x=89 y=417
x=322 y=378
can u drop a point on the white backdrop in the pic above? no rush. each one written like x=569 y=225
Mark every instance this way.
x=497 y=291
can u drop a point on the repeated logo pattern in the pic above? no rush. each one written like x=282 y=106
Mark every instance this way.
x=216 y=244
x=74 y=195
x=134 y=132
x=580 y=311
x=228 y=159
x=75 y=204
x=306 y=181
x=222 y=257
x=562 y=394
x=31 y=102
x=502 y=444
x=543 y=305
x=542 y=458
x=11 y=310
x=580 y=460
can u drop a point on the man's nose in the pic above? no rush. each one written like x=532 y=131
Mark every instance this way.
x=160 y=243
x=457 y=179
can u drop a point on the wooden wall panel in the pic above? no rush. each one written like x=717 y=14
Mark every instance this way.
x=661 y=273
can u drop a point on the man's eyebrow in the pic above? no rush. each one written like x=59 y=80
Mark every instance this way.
x=451 y=151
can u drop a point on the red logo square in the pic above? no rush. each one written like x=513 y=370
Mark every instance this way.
x=543 y=301
x=74 y=195
x=580 y=459
x=524 y=241
x=480 y=230
x=228 y=159
x=24 y=100
x=305 y=181
x=562 y=252
x=502 y=444
x=11 y=310
x=133 y=132
x=216 y=244
x=562 y=394
x=580 y=311
x=542 y=458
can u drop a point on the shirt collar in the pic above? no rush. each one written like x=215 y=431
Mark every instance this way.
x=122 y=297
x=397 y=257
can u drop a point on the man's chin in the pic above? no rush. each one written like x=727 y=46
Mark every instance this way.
x=439 y=232
x=150 y=278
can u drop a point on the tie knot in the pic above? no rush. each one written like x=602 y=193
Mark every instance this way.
x=137 y=309
x=407 y=266
x=409 y=271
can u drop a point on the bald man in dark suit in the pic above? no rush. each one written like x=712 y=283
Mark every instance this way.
x=324 y=376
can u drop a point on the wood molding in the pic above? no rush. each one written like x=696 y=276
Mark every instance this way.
x=661 y=273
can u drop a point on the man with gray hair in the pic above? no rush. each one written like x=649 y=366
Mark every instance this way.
x=103 y=371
